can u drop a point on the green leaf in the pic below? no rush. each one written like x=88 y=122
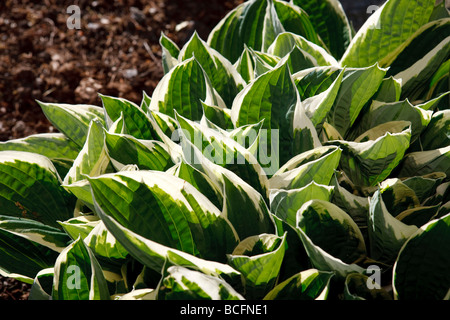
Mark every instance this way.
x=222 y=155
x=119 y=125
x=183 y=89
x=331 y=23
x=368 y=163
x=35 y=231
x=204 y=147
x=21 y=258
x=313 y=81
x=261 y=99
x=381 y=129
x=439 y=78
x=284 y=43
x=323 y=261
x=51 y=145
x=263 y=62
x=30 y=188
x=170 y=53
x=182 y=283
x=145 y=102
x=381 y=112
x=443 y=210
x=224 y=77
x=42 y=285
x=55 y=146
x=78 y=275
x=260 y=270
x=355 y=206
x=93 y=159
x=271 y=27
x=357 y=87
x=105 y=247
x=295 y=258
x=167 y=124
x=332 y=229
x=329 y=133
x=422 y=70
x=387 y=29
x=294 y=19
x=242 y=26
x=155 y=255
x=82 y=191
x=166 y=209
x=434 y=104
x=226 y=36
x=310 y=284
x=219 y=116
x=304 y=136
x=397 y=196
x=437 y=133
x=138 y=294
x=80 y=226
x=440 y=197
x=389 y=91
x=417 y=46
x=244 y=207
x=425 y=186
x=318 y=107
x=274 y=98
x=247 y=135
x=285 y=203
x=423 y=260
x=356 y=288
x=72 y=120
x=425 y=162
x=146 y=154
x=316 y=165
x=201 y=182
x=419 y=216
x=136 y=121
x=245 y=65
x=299 y=60
x=440 y=11
x=387 y=234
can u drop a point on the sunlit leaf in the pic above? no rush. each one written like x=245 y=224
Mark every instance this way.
x=78 y=275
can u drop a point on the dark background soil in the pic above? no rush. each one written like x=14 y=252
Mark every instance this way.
x=116 y=52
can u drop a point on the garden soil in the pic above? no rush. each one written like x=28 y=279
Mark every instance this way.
x=115 y=52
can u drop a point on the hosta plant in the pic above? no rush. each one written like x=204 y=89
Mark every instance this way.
x=284 y=157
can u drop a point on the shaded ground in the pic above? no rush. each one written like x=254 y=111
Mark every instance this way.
x=116 y=52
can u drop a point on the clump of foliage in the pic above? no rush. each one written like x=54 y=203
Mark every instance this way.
x=284 y=157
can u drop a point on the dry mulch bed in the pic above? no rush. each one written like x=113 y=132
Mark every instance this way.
x=116 y=52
